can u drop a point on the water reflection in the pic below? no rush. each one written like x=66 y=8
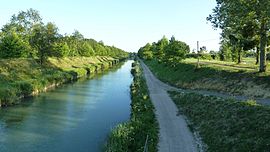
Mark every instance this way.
x=74 y=117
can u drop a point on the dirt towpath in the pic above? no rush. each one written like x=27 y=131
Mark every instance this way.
x=174 y=135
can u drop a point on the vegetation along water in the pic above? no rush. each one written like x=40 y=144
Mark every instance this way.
x=68 y=92
x=74 y=117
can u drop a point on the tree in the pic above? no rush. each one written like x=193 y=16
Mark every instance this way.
x=231 y=15
x=27 y=36
x=43 y=39
x=160 y=47
x=85 y=49
x=51 y=36
x=225 y=53
x=12 y=45
x=60 y=49
x=146 y=52
x=23 y=21
x=38 y=42
x=77 y=35
x=176 y=51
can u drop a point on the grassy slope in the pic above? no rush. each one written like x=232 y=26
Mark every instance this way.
x=226 y=125
x=131 y=136
x=220 y=76
x=22 y=77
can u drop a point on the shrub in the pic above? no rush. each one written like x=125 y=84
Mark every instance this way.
x=192 y=55
x=8 y=95
x=25 y=88
x=205 y=56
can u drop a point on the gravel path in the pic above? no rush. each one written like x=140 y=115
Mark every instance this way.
x=174 y=135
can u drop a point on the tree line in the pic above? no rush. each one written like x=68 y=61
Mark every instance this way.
x=26 y=36
x=168 y=51
x=245 y=26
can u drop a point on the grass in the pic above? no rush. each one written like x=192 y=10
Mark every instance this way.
x=131 y=136
x=227 y=77
x=226 y=125
x=247 y=65
x=26 y=77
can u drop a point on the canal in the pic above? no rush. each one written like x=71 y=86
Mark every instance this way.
x=72 y=118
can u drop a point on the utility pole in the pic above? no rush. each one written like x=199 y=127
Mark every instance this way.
x=198 y=54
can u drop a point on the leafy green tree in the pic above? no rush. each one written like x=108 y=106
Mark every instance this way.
x=42 y=39
x=27 y=36
x=38 y=42
x=12 y=45
x=60 y=49
x=77 y=35
x=160 y=47
x=176 y=51
x=85 y=49
x=146 y=52
x=23 y=21
x=234 y=14
x=51 y=35
x=225 y=53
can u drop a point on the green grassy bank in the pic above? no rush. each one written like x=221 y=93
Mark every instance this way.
x=227 y=77
x=131 y=136
x=26 y=77
x=226 y=125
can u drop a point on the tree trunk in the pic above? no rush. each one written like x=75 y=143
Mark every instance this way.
x=239 y=55
x=263 y=41
x=257 y=54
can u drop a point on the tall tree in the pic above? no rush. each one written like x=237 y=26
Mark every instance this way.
x=43 y=38
x=229 y=14
x=146 y=52
x=160 y=47
x=176 y=51
x=39 y=41
x=23 y=21
x=52 y=35
x=12 y=45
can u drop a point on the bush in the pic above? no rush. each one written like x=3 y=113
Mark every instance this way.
x=205 y=56
x=13 y=45
x=192 y=55
x=25 y=88
x=8 y=95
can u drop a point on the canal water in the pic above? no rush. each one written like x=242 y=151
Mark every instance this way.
x=72 y=118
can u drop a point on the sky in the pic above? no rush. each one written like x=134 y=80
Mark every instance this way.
x=126 y=24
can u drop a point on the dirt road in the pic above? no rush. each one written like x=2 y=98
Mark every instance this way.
x=174 y=135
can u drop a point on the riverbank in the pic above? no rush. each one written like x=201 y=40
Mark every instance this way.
x=132 y=135
x=217 y=76
x=21 y=78
x=76 y=117
x=226 y=124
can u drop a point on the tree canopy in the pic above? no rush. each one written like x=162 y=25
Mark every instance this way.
x=27 y=36
x=164 y=50
x=244 y=23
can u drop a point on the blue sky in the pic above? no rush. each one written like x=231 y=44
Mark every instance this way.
x=127 y=24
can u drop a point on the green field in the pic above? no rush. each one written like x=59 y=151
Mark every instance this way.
x=226 y=77
x=226 y=125
x=247 y=65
